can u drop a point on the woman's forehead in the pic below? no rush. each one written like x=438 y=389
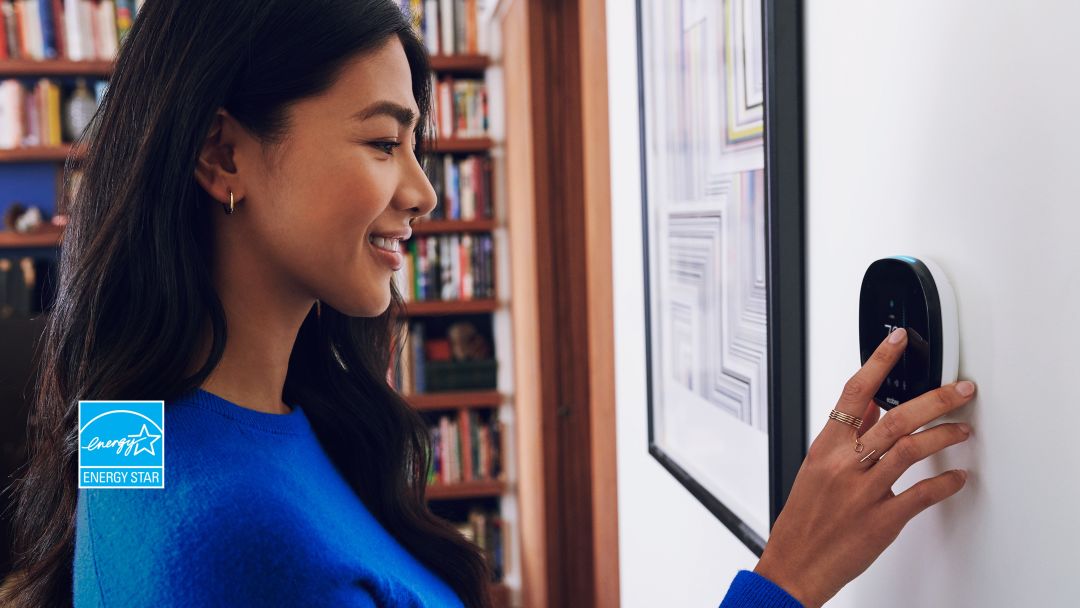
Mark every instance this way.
x=377 y=76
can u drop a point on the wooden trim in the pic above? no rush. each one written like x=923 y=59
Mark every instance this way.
x=500 y=595
x=572 y=192
x=567 y=525
x=534 y=420
x=599 y=307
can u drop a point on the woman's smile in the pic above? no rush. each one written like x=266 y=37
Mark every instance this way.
x=387 y=250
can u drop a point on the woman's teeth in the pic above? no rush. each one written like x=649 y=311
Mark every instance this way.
x=387 y=244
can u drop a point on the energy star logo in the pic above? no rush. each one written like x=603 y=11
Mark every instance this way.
x=122 y=444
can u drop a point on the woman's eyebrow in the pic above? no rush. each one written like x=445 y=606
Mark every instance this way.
x=404 y=115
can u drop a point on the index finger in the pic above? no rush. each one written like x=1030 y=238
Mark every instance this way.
x=862 y=386
x=920 y=411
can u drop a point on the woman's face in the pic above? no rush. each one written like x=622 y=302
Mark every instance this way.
x=343 y=186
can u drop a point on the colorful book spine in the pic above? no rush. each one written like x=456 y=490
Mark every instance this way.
x=48 y=33
x=446 y=267
x=446 y=21
x=125 y=13
x=462 y=447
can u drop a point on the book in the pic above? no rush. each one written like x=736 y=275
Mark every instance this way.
x=5 y=8
x=462 y=451
x=431 y=26
x=125 y=12
x=446 y=21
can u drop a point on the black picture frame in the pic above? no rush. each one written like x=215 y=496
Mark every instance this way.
x=786 y=336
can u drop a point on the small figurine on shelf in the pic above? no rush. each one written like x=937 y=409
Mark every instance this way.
x=467 y=343
x=19 y=218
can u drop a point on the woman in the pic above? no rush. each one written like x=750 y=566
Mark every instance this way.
x=231 y=252
x=263 y=329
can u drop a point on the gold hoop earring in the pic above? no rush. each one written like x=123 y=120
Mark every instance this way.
x=229 y=210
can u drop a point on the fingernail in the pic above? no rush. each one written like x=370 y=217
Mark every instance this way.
x=965 y=388
x=963 y=474
x=897 y=335
x=965 y=428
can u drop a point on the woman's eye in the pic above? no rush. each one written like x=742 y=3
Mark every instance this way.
x=386 y=147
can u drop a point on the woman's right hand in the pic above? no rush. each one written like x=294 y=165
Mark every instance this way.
x=842 y=513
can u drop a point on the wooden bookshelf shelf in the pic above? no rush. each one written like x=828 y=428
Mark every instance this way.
x=459 y=144
x=37 y=154
x=456 y=399
x=48 y=237
x=465 y=489
x=447 y=226
x=452 y=307
x=461 y=64
x=14 y=68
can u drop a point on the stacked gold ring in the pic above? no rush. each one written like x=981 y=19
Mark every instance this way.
x=847 y=419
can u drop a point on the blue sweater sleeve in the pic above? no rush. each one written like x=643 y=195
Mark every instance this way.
x=751 y=590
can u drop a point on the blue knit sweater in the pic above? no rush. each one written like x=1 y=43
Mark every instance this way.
x=751 y=590
x=253 y=513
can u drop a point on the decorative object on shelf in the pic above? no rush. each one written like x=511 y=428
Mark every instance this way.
x=438 y=358
x=19 y=218
x=79 y=110
x=467 y=343
x=722 y=207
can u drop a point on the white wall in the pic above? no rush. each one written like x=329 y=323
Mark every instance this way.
x=942 y=129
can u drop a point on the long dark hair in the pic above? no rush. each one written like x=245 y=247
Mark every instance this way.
x=135 y=288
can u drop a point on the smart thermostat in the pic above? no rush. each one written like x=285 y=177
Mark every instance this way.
x=915 y=294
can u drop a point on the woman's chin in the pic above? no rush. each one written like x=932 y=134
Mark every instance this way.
x=370 y=307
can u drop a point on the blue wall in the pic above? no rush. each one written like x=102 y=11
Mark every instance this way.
x=29 y=184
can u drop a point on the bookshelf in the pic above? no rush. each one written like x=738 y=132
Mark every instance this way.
x=465 y=74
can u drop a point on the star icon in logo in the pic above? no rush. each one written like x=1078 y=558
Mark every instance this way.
x=138 y=437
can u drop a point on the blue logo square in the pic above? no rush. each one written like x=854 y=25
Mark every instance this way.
x=122 y=444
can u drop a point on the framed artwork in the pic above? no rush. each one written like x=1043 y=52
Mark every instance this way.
x=720 y=87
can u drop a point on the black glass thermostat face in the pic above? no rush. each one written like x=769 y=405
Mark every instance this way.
x=898 y=293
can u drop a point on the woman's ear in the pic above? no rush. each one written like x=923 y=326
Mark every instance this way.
x=215 y=165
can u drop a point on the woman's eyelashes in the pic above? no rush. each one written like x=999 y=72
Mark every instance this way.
x=387 y=147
